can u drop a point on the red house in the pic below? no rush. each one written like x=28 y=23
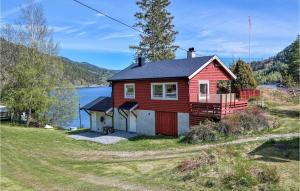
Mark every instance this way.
x=167 y=97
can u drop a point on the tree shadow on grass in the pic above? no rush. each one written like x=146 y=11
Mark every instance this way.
x=157 y=137
x=278 y=150
x=285 y=113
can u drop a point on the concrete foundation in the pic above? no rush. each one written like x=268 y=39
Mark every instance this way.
x=145 y=122
x=183 y=123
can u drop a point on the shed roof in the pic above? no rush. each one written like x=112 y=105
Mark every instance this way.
x=103 y=104
x=128 y=105
x=167 y=69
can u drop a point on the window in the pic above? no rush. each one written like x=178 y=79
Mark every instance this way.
x=171 y=90
x=157 y=91
x=163 y=91
x=203 y=89
x=129 y=91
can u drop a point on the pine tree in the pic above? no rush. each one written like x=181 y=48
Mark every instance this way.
x=157 y=39
x=294 y=60
x=245 y=77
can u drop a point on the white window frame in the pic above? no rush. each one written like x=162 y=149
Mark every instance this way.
x=125 y=90
x=164 y=91
x=203 y=82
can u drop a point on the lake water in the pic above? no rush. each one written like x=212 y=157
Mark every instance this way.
x=87 y=95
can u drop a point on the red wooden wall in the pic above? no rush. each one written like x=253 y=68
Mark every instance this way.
x=213 y=72
x=143 y=95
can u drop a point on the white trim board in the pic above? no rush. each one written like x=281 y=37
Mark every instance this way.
x=129 y=84
x=208 y=90
x=208 y=62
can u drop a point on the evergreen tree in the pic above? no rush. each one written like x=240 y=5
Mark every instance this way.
x=294 y=60
x=245 y=77
x=157 y=39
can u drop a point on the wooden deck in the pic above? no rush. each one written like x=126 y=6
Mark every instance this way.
x=215 y=107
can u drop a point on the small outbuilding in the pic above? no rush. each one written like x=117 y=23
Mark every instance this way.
x=100 y=112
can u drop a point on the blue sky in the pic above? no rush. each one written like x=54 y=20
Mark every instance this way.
x=211 y=26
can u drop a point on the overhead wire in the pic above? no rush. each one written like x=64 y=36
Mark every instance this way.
x=117 y=20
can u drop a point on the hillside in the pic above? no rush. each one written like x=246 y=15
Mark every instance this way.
x=84 y=74
x=79 y=73
x=270 y=70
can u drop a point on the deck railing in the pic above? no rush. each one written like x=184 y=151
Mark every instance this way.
x=218 y=98
x=215 y=106
x=246 y=94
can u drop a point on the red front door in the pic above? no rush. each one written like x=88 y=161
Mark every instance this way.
x=166 y=123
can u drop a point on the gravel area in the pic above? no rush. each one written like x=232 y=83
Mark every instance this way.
x=103 y=139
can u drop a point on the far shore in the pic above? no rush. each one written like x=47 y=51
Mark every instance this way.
x=91 y=86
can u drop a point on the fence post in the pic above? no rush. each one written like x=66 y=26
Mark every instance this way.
x=221 y=106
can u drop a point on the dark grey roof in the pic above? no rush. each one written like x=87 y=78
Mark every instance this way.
x=162 y=69
x=103 y=104
x=128 y=105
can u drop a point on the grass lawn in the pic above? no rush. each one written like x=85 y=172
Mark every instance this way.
x=41 y=159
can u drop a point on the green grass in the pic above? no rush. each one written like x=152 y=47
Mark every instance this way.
x=42 y=159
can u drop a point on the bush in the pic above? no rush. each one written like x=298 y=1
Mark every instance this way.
x=244 y=175
x=205 y=131
x=268 y=175
x=250 y=120
x=203 y=160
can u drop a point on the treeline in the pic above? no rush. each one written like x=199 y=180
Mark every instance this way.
x=282 y=68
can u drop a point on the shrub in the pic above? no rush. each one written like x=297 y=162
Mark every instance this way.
x=234 y=181
x=252 y=119
x=203 y=160
x=268 y=175
x=205 y=131
x=244 y=175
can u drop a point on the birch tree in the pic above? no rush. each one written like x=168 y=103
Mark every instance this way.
x=37 y=72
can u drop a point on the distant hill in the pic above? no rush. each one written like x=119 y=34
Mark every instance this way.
x=270 y=70
x=279 y=58
x=78 y=73
x=85 y=74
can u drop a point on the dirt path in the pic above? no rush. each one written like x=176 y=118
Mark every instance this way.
x=109 y=182
x=171 y=153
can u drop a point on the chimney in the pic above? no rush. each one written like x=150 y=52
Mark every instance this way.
x=191 y=53
x=140 y=61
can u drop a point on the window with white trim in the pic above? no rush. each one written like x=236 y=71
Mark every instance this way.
x=129 y=91
x=164 y=91
x=203 y=89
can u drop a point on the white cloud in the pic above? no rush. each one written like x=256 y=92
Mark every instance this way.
x=80 y=34
x=117 y=36
x=57 y=29
x=99 y=15
x=16 y=9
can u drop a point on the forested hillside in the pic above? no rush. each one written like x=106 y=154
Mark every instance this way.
x=282 y=68
x=78 y=73
x=83 y=73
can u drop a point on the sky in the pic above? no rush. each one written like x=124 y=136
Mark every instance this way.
x=212 y=27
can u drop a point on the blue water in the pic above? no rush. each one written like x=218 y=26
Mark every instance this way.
x=87 y=95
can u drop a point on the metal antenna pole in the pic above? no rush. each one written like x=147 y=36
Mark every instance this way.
x=250 y=27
